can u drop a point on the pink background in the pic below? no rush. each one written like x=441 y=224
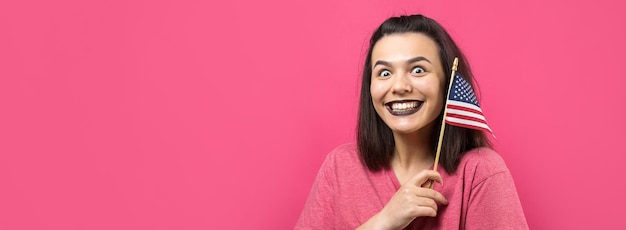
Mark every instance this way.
x=197 y=115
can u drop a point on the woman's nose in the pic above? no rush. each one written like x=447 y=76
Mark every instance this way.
x=401 y=84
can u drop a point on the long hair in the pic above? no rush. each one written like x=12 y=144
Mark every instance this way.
x=375 y=139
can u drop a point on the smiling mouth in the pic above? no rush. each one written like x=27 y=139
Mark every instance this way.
x=403 y=107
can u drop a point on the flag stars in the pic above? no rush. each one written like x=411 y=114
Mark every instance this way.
x=463 y=91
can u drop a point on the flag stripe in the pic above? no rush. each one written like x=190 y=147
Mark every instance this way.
x=471 y=124
x=466 y=113
x=464 y=106
x=467 y=118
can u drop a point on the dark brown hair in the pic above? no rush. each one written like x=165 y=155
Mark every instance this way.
x=375 y=139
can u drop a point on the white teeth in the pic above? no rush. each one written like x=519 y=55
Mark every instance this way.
x=404 y=105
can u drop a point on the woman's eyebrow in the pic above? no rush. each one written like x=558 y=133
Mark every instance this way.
x=415 y=59
x=380 y=62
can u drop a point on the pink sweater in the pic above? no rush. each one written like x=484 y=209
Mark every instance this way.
x=481 y=194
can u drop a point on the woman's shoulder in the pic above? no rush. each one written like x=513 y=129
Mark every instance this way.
x=344 y=160
x=346 y=154
x=482 y=162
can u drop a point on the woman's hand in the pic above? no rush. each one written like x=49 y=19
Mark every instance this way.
x=412 y=200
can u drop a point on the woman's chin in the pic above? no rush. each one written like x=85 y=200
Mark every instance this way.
x=411 y=129
x=405 y=130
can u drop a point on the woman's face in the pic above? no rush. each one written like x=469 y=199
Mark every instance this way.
x=407 y=81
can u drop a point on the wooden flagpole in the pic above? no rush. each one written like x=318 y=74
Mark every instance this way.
x=443 y=121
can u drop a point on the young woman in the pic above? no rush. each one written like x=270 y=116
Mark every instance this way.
x=382 y=181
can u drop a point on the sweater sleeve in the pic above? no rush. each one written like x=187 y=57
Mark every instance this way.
x=494 y=203
x=319 y=211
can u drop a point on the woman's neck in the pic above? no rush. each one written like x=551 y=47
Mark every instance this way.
x=412 y=150
x=413 y=153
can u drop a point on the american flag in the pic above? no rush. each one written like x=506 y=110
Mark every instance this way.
x=462 y=107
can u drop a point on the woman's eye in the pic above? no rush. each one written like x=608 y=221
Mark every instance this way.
x=385 y=73
x=417 y=70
